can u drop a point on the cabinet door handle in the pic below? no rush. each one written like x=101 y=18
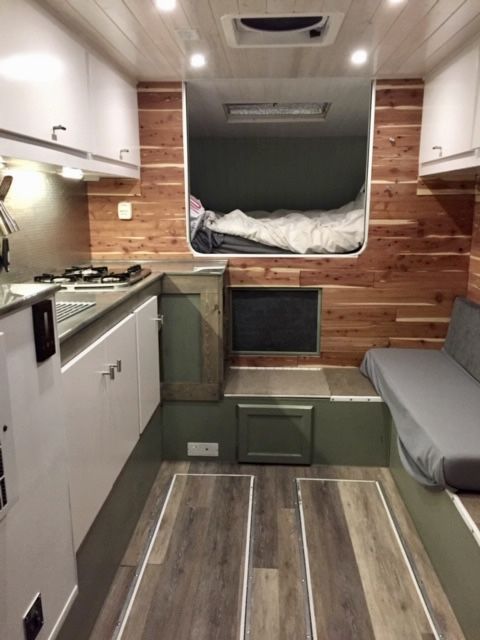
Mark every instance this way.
x=438 y=147
x=122 y=151
x=57 y=127
x=159 y=319
x=110 y=373
x=117 y=366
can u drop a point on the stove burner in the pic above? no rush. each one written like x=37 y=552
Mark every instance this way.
x=94 y=277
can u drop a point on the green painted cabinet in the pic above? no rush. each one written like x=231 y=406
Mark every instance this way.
x=192 y=337
x=280 y=433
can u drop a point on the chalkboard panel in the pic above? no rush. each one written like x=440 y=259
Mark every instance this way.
x=275 y=320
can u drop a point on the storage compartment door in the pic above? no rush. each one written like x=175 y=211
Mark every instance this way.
x=275 y=433
x=148 y=359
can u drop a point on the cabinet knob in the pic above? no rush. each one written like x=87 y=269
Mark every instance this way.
x=57 y=127
x=110 y=373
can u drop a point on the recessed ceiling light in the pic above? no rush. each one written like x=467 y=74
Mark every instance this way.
x=197 y=60
x=396 y=1
x=359 y=56
x=166 y=5
x=72 y=174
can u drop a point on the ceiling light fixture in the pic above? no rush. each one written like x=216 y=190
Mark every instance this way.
x=396 y=1
x=166 y=5
x=197 y=60
x=72 y=174
x=359 y=56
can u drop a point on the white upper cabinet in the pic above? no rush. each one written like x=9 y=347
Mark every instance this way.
x=448 y=139
x=113 y=104
x=43 y=78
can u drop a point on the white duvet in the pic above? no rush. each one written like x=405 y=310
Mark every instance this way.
x=334 y=231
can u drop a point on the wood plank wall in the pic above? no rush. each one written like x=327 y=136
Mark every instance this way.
x=158 y=225
x=474 y=274
x=398 y=293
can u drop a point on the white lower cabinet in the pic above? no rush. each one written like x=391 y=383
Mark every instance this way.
x=101 y=396
x=36 y=551
x=148 y=325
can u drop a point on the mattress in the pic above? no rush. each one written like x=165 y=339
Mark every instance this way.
x=435 y=405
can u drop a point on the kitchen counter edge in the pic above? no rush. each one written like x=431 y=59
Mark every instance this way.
x=19 y=296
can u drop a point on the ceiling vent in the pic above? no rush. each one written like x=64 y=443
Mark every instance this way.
x=276 y=111
x=287 y=30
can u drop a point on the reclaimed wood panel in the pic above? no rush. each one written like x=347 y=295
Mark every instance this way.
x=398 y=292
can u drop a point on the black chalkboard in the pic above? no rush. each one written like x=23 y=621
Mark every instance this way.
x=275 y=320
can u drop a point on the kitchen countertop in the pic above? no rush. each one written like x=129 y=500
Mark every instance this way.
x=106 y=301
x=18 y=296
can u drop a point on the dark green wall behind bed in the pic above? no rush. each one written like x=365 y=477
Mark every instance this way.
x=276 y=173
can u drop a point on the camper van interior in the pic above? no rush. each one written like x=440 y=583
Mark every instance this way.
x=239 y=319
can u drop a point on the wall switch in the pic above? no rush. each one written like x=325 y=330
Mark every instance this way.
x=208 y=449
x=33 y=619
x=125 y=211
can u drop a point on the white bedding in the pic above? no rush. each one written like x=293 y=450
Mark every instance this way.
x=335 y=231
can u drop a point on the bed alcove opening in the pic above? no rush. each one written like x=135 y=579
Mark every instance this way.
x=278 y=187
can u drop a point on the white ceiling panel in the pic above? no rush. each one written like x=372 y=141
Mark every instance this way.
x=403 y=39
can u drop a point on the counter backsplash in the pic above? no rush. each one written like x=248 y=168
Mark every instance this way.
x=53 y=218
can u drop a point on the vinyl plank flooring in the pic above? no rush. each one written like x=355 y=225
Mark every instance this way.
x=277 y=597
x=193 y=582
x=108 y=618
x=360 y=583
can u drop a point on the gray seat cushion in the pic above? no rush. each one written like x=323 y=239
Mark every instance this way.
x=435 y=405
x=463 y=338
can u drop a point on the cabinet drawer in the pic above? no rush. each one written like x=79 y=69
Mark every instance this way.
x=275 y=433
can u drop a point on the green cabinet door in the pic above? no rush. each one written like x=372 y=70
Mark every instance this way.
x=275 y=433
x=192 y=337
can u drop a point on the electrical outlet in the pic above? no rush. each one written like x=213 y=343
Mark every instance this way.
x=33 y=619
x=208 y=449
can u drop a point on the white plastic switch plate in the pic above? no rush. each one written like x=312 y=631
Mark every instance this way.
x=125 y=210
x=208 y=449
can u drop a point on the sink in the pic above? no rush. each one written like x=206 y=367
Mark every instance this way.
x=66 y=310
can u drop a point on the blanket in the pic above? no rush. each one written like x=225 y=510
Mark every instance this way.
x=335 y=231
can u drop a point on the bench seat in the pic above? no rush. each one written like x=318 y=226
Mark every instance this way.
x=435 y=404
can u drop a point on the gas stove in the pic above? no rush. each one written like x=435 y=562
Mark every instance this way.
x=100 y=278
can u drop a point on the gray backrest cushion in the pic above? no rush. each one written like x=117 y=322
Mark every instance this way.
x=463 y=338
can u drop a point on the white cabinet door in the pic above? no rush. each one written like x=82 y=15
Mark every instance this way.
x=449 y=108
x=43 y=78
x=88 y=436
x=36 y=551
x=113 y=104
x=123 y=395
x=148 y=354
x=8 y=473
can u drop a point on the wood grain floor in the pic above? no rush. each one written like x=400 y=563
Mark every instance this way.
x=360 y=583
x=192 y=587
x=354 y=556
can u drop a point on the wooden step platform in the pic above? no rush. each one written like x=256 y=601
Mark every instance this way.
x=298 y=382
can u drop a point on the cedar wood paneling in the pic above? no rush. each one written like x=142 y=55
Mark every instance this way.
x=398 y=292
x=474 y=275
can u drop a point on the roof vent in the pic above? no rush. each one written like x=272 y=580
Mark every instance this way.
x=287 y=30
x=276 y=111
